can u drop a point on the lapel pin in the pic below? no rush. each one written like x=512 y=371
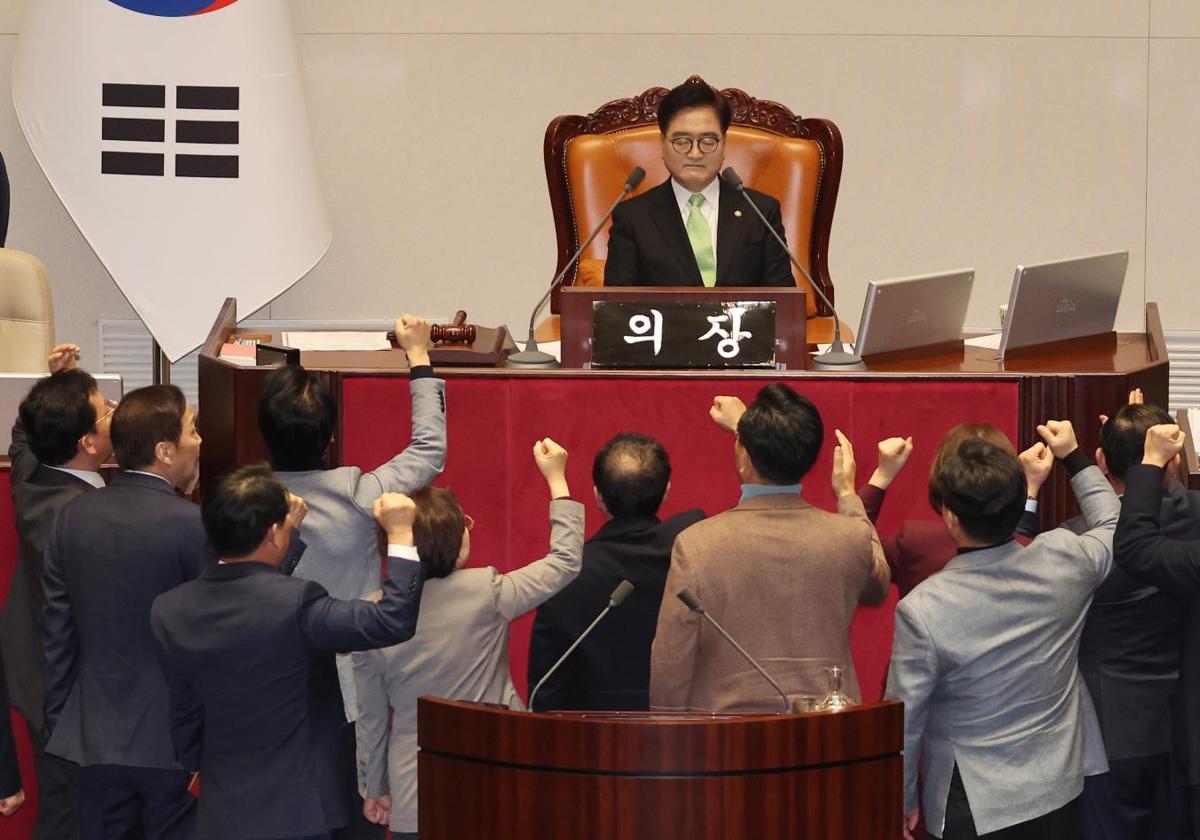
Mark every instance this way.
x=737 y=213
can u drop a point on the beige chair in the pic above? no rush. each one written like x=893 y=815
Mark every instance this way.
x=26 y=313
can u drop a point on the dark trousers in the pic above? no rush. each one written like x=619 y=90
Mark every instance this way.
x=1063 y=824
x=1135 y=798
x=1193 y=795
x=121 y=802
x=58 y=792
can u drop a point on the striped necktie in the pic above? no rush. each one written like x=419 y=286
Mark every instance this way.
x=700 y=235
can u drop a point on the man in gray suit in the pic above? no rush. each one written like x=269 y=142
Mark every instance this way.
x=297 y=416
x=985 y=654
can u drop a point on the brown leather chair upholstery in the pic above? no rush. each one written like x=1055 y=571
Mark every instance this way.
x=798 y=161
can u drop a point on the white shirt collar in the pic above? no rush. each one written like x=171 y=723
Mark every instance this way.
x=91 y=477
x=153 y=475
x=711 y=193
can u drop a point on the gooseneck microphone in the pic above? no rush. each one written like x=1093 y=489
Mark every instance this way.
x=531 y=356
x=693 y=604
x=836 y=355
x=615 y=600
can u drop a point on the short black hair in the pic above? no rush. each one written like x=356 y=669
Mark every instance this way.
x=631 y=472
x=1123 y=436
x=56 y=413
x=240 y=508
x=296 y=415
x=984 y=486
x=145 y=418
x=694 y=93
x=782 y=433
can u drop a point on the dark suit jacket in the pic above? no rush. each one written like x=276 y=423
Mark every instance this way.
x=3 y=202
x=39 y=493
x=1129 y=651
x=611 y=669
x=256 y=706
x=111 y=553
x=648 y=243
x=1165 y=552
x=10 y=771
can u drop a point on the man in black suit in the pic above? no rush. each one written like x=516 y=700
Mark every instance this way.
x=694 y=229
x=256 y=706
x=1129 y=658
x=1163 y=549
x=59 y=441
x=110 y=554
x=611 y=669
x=12 y=795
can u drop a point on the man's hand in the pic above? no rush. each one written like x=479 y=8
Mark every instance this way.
x=726 y=412
x=395 y=513
x=910 y=823
x=1163 y=443
x=843 y=466
x=551 y=459
x=412 y=334
x=378 y=810
x=893 y=455
x=9 y=805
x=1059 y=435
x=63 y=357
x=297 y=510
x=1036 y=461
x=1136 y=397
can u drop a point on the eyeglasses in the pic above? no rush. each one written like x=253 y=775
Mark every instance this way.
x=468 y=522
x=707 y=144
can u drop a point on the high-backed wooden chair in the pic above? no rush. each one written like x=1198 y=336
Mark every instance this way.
x=26 y=313
x=798 y=161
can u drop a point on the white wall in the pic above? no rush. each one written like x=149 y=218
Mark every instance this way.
x=976 y=133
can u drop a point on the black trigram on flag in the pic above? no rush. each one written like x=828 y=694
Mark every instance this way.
x=152 y=128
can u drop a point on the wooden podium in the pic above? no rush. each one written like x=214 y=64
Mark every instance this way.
x=487 y=772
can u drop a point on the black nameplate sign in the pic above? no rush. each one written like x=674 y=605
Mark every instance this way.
x=716 y=334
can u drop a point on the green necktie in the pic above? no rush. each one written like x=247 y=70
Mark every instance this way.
x=700 y=235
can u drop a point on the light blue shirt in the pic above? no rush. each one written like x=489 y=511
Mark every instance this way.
x=749 y=491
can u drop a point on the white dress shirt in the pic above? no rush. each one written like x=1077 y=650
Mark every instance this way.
x=712 y=203
x=92 y=478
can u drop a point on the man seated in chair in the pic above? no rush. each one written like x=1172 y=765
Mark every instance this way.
x=694 y=229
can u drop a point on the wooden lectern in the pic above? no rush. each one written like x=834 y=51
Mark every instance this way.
x=487 y=772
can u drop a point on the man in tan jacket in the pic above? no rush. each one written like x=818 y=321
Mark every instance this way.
x=783 y=577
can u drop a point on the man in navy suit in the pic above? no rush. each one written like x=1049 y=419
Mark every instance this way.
x=110 y=554
x=694 y=229
x=249 y=651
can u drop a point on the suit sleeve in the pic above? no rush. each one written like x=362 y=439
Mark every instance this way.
x=1101 y=508
x=777 y=266
x=548 y=641
x=1139 y=545
x=10 y=771
x=621 y=267
x=912 y=677
x=676 y=638
x=373 y=724
x=516 y=593
x=187 y=711
x=875 y=589
x=60 y=640
x=425 y=456
x=340 y=626
x=24 y=462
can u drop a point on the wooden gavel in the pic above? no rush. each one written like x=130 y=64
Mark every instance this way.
x=457 y=331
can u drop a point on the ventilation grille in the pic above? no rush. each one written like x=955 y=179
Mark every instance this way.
x=1184 y=350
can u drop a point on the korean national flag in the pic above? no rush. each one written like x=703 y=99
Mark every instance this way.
x=175 y=133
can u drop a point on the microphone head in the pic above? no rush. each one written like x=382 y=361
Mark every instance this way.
x=730 y=177
x=690 y=600
x=620 y=593
x=635 y=178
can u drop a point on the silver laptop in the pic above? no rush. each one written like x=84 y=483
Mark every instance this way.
x=914 y=311
x=1066 y=299
x=14 y=387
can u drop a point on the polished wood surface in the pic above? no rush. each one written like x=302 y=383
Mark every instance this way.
x=631 y=775
x=791 y=347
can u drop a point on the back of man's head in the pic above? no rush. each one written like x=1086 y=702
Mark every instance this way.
x=56 y=413
x=1123 y=436
x=240 y=508
x=146 y=417
x=693 y=94
x=296 y=415
x=782 y=433
x=984 y=486
x=631 y=474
